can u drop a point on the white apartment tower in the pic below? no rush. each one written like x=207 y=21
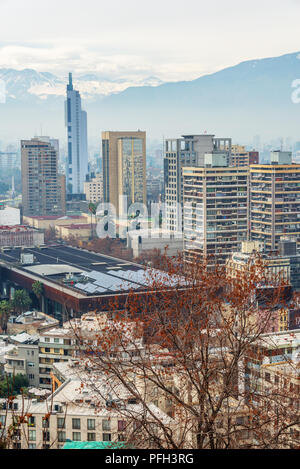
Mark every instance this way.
x=76 y=123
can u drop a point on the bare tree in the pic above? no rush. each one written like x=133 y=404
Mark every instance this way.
x=187 y=350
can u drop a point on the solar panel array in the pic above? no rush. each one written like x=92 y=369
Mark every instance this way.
x=125 y=280
x=100 y=282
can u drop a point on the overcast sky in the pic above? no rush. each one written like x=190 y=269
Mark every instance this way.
x=171 y=39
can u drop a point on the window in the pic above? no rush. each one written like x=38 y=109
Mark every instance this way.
x=60 y=422
x=56 y=340
x=32 y=435
x=47 y=350
x=46 y=436
x=76 y=436
x=31 y=422
x=105 y=425
x=121 y=425
x=106 y=437
x=91 y=436
x=239 y=420
x=45 y=423
x=31 y=446
x=76 y=424
x=61 y=436
x=47 y=339
x=91 y=424
x=268 y=377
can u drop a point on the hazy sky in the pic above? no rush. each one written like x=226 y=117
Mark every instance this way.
x=171 y=39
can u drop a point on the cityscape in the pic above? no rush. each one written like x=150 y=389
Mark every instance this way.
x=149 y=264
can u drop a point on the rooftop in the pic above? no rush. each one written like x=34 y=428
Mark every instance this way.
x=93 y=274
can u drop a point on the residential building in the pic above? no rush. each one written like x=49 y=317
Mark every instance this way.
x=76 y=123
x=215 y=200
x=241 y=157
x=76 y=412
x=275 y=200
x=187 y=151
x=93 y=188
x=278 y=266
x=124 y=169
x=55 y=345
x=23 y=358
x=41 y=188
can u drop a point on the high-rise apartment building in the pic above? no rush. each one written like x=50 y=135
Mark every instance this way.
x=41 y=183
x=241 y=157
x=275 y=200
x=124 y=168
x=189 y=150
x=76 y=123
x=215 y=200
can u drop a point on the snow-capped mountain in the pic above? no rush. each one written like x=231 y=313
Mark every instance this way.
x=251 y=98
x=27 y=84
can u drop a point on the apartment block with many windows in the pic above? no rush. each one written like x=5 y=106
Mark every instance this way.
x=275 y=200
x=187 y=151
x=215 y=209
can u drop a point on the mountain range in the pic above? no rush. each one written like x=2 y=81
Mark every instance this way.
x=253 y=97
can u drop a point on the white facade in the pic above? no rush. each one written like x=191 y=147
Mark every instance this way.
x=166 y=241
x=10 y=216
x=76 y=123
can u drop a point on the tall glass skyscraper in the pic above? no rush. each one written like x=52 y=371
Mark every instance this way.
x=76 y=123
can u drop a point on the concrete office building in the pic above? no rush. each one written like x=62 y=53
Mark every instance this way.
x=275 y=200
x=183 y=152
x=76 y=123
x=124 y=169
x=41 y=185
x=215 y=209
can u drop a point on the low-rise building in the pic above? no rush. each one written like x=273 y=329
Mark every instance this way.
x=23 y=358
x=80 y=231
x=282 y=265
x=168 y=242
x=20 y=236
x=32 y=322
x=56 y=345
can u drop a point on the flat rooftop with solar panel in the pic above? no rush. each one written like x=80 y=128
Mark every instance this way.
x=73 y=278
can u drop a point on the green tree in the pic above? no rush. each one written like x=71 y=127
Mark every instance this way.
x=38 y=290
x=21 y=301
x=13 y=386
x=5 y=310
